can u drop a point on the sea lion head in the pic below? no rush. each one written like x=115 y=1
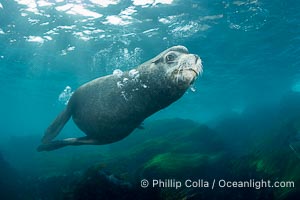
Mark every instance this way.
x=179 y=66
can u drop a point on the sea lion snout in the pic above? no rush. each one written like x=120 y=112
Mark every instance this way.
x=188 y=68
x=198 y=65
x=193 y=63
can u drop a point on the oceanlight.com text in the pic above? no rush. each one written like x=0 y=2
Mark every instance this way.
x=212 y=184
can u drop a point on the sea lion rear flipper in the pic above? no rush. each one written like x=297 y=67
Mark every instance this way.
x=69 y=141
x=56 y=126
x=52 y=145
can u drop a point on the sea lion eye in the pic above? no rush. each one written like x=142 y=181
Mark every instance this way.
x=170 y=57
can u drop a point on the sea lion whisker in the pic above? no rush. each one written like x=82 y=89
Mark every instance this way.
x=177 y=75
x=179 y=70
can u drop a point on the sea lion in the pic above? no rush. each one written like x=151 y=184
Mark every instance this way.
x=109 y=108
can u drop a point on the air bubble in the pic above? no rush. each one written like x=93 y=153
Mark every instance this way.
x=144 y=86
x=65 y=95
x=120 y=84
x=246 y=15
x=192 y=88
x=118 y=73
x=125 y=80
x=134 y=74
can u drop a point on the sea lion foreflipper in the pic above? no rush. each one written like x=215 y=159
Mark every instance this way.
x=56 y=126
x=65 y=142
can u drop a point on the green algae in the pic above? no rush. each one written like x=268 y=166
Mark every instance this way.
x=179 y=164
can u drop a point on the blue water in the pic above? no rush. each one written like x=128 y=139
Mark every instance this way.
x=250 y=50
